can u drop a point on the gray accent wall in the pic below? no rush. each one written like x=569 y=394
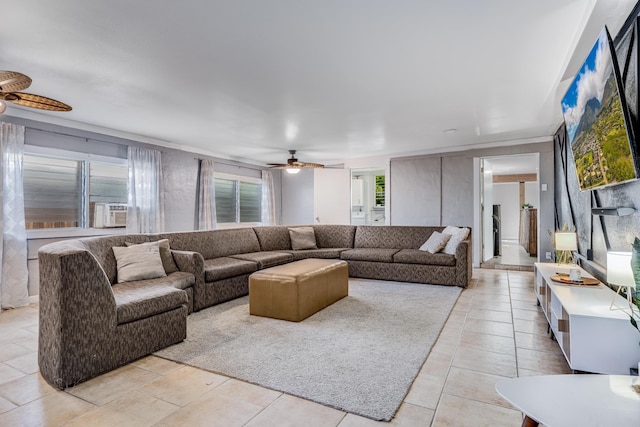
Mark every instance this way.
x=416 y=191
x=599 y=234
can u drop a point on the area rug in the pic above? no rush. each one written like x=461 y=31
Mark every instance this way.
x=359 y=355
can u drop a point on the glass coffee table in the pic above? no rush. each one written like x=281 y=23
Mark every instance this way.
x=575 y=400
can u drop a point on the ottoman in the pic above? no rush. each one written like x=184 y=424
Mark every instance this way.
x=299 y=289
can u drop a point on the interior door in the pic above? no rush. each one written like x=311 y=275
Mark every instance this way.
x=331 y=196
x=487 y=210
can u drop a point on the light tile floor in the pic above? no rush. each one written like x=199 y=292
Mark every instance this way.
x=495 y=331
x=512 y=256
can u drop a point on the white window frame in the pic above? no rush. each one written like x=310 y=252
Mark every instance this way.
x=86 y=158
x=238 y=178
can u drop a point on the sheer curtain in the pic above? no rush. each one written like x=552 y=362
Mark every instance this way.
x=268 y=199
x=206 y=196
x=14 y=290
x=145 y=207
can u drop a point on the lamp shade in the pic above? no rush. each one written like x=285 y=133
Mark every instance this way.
x=292 y=170
x=619 y=269
x=566 y=241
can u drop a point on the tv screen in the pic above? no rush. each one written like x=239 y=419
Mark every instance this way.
x=597 y=120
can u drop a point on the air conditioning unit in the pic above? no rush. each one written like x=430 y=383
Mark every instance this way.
x=110 y=215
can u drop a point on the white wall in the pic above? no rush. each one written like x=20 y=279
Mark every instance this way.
x=507 y=195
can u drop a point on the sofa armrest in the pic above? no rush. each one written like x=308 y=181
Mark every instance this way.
x=464 y=263
x=77 y=314
x=192 y=262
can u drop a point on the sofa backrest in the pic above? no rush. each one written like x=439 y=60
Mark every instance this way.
x=273 y=238
x=214 y=243
x=194 y=241
x=334 y=236
x=101 y=248
x=392 y=236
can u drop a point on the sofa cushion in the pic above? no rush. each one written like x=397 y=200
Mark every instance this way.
x=274 y=238
x=416 y=256
x=222 y=268
x=266 y=259
x=436 y=242
x=138 y=262
x=334 y=236
x=165 y=254
x=392 y=236
x=144 y=298
x=326 y=253
x=369 y=254
x=302 y=238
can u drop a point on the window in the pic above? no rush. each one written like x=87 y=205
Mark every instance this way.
x=238 y=200
x=52 y=192
x=61 y=187
x=379 y=190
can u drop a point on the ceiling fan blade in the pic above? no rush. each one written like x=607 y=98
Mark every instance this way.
x=312 y=165
x=35 y=101
x=277 y=165
x=12 y=81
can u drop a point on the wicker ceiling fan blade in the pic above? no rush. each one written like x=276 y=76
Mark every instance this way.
x=35 y=101
x=293 y=163
x=12 y=81
x=312 y=165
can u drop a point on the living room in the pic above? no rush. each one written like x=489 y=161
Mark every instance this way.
x=311 y=94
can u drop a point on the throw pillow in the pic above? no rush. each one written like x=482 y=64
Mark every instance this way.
x=138 y=262
x=165 y=254
x=436 y=242
x=458 y=234
x=302 y=238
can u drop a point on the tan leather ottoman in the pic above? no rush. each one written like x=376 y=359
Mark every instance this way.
x=299 y=289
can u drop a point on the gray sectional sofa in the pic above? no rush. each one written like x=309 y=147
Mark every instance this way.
x=90 y=323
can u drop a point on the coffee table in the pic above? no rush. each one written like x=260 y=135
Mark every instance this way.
x=574 y=400
x=299 y=289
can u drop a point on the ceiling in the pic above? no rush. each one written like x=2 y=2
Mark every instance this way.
x=335 y=80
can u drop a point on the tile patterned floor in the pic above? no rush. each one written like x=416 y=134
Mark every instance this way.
x=513 y=257
x=495 y=331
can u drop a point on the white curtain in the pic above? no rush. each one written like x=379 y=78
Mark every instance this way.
x=14 y=290
x=206 y=196
x=268 y=199
x=145 y=207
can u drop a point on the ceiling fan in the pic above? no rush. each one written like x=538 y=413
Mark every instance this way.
x=12 y=82
x=293 y=165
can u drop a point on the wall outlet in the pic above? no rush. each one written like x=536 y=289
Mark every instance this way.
x=548 y=255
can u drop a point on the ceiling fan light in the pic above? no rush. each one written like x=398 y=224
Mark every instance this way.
x=3 y=106
x=292 y=171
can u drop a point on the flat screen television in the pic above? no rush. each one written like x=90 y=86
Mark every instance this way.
x=597 y=121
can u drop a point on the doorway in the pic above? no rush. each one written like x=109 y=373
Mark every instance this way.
x=368 y=196
x=509 y=198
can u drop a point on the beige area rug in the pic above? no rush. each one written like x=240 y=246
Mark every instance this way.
x=359 y=355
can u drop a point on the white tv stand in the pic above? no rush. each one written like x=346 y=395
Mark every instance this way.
x=592 y=337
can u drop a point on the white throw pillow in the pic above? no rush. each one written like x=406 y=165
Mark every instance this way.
x=138 y=262
x=165 y=254
x=457 y=236
x=302 y=238
x=436 y=242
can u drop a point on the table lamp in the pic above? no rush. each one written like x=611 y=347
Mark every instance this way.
x=565 y=243
x=619 y=273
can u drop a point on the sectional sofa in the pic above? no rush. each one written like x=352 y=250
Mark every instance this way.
x=90 y=323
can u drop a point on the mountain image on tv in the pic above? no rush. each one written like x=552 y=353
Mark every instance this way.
x=593 y=113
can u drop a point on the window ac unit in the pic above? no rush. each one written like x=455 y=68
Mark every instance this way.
x=110 y=215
